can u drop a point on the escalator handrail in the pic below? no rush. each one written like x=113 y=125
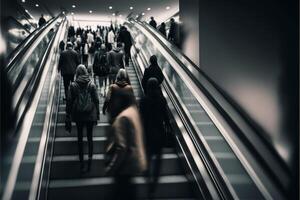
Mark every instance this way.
x=36 y=72
x=24 y=129
x=25 y=44
x=220 y=100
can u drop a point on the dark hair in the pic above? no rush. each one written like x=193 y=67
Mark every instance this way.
x=153 y=60
x=152 y=87
x=123 y=100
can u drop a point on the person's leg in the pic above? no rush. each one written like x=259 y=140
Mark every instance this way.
x=100 y=78
x=156 y=169
x=89 y=126
x=66 y=84
x=79 y=126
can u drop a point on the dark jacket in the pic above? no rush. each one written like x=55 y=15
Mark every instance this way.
x=100 y=65
x=153 y=111
x=153 y=23
x=173 y=32
x=125 y=149
x=115 y=60
x=162 y=30
x=82 y=82
x=152 y=71
x=113 y=99
x=68 y=62
x=42 y=21
x=125 y=37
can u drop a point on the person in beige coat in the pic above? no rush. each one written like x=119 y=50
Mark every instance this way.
x=125 y=152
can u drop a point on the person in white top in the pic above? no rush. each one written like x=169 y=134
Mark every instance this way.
x=110 y=39
x=90 y=41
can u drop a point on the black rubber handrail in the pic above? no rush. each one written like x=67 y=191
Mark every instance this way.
x=207 y=88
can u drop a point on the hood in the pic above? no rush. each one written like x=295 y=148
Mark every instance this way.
x=83 y=80
x=122 y=83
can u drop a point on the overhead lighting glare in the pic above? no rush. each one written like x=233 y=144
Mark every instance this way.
x=26 y=10
x=90 y=11
x=136 y=16
x=168 y=7
x=72 y=13
x=73 y=6
x=143 y=13
x=36 y=5
x=113 y=14
x=110 y=7
x=130 y=7
x=148 y=9
x=120 y=15
x=23 y=1
x=63 y=12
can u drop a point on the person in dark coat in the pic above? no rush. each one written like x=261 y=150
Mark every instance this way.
x=115 y=61
x=100 y=68
x=152 y=71
x=153 y=109
x=68 y=62
x=42 y=20
x=122 y=85
x=87 y=118
x=61 y=46
x=125 y=38
x=125 y=152
x=173 y=32
x=153 y=22
x=162 y=29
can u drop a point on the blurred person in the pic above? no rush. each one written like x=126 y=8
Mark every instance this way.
x=110 y=39
x=125 y=38
x=83 y=109
x=42 y=20
x=162 y=29
x=91 y=46
x=122 y=85
x=152 y=71
x=125 y=153
x=115 y=61
x=62 y=46
x=100 y=68
x=85 y=53
x=153 y=109
x=173 y=32
x=68 y=62
x=153 y=22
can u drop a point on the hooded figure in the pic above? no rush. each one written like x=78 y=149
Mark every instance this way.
x=120 y=87
x=83 y=109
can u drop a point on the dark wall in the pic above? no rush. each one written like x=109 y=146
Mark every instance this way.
x=189 y=18
x=250 y=50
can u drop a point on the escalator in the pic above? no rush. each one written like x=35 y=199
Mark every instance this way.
x=207 y=161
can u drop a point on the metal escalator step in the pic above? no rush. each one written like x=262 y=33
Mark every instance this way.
x=62 y=116
x=68 y=166
x=102 y=188
x=99 y=130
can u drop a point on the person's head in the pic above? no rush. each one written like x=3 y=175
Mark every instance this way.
x=153 y=60
x=122 y=76
x=81 y=70
x=152 y=86
x=69 y=45
x=163 y=24
x=172 y=20
x=42 y=15
x=152 y=18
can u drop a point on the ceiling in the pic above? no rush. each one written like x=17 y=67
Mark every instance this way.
x=160 y=9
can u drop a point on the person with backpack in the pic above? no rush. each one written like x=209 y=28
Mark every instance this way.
x=153 y=109
x=83 y=109
x=100 y=68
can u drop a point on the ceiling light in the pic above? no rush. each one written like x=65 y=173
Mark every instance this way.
x=36 y=5
x=113 y=14
x=90 y=11
x=148 y=8
x=23 y=1
x=110 y=7
x=130 y=7
x=72 y=13
x=120 y=15
x=136 y=16
x=63 y=12
x=143 y=13
x=168 y=7
x=73 y=6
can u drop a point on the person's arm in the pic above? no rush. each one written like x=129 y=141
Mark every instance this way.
x=70 y=101
x=107 y=99
x=95 y=98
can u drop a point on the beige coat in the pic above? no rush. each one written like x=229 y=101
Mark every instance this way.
x=127 y=140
